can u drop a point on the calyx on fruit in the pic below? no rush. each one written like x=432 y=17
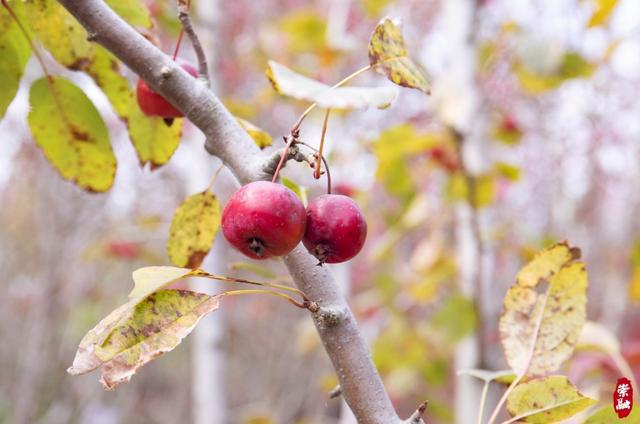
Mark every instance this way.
x=264 y=219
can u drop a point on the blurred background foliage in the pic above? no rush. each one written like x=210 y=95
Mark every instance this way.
x=551 y=155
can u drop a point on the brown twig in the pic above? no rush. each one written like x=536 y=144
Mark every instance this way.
x=187 y=26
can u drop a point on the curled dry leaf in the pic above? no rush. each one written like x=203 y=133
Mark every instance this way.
x=389 y=55
x=544 y=311
x=547 y=400
x=140 y=331
x=193 y=228
x=289 y=83
x=151 y=278
x=259 y=136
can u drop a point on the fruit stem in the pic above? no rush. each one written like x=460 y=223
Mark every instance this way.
x=290 y=140
x=304 y=305
x=180 y=36
x=214 y=177
x=348 y=78
x=252 y=282
x=326 y=164
x=316 y=172
x=187 y=26
x=178 y=43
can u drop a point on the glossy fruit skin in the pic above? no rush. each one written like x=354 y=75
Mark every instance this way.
x=264 y=219
x=153 y=104
x=336 y=228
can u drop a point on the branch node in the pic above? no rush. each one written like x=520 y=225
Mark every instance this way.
x=92 y=36
x=271 y=164
x=416 y=417
x=329 y=316
x=335 y=392
x=165 y=72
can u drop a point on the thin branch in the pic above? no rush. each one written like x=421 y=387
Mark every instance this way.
x=187 y=26
x=361 y=384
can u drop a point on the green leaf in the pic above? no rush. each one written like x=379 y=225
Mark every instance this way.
x=260 y=136
x=71 y=133
x=374 y=8
x=137 y=333
x=456 y=318
x=393 y=149
x=194 y=226
x=607 y=415
x=389 y=56
x=604 y=9
x=544 y=311
x=572 y=65
x=153 y=140
x=301 y=192
x=14 y=53
x=305 y=30
x=133 y=11
x=289 y=83
x=151 y=278
x=60 y=33
x=508 y=171
x=547 y=400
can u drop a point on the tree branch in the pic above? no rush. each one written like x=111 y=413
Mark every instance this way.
x=359 y=379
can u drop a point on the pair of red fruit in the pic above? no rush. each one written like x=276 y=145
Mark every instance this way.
x=265 y=219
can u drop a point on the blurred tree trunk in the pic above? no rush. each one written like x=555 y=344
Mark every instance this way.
x=208 y=358
x=457 y=99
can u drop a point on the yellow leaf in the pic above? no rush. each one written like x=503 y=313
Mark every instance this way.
x=604 y=9
x=193 y=228
x=70 y=47
x=260 y=136
x=71 y=133
x=389 y=56
x=306 y=31
x=140 y=331
x=134 y=12
x=634 y=285
x=547 y=400
x=15 y=52
x=544 y=311
x=608 y=415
